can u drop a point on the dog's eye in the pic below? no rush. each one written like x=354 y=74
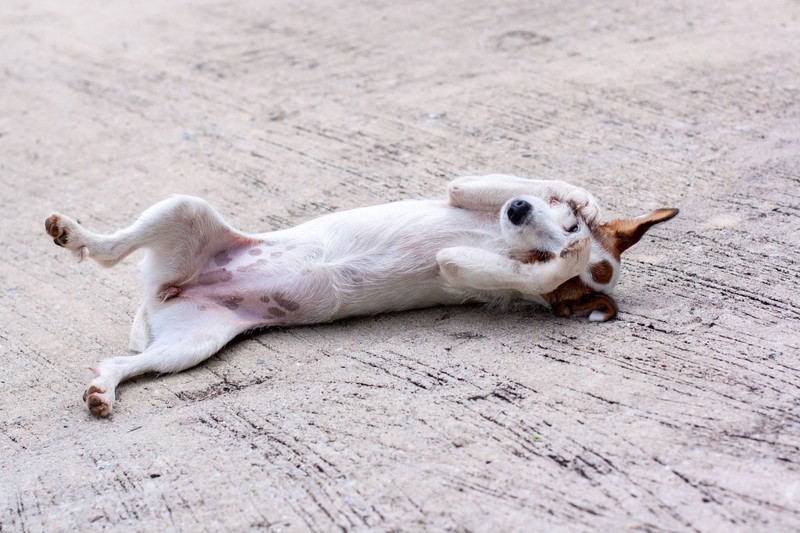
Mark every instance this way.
x=574 y=228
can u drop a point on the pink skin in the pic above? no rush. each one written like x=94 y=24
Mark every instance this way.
x=250 y=281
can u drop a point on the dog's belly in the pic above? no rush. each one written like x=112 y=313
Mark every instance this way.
x=365 y=261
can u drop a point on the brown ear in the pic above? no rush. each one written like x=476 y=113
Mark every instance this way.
x=619 y=234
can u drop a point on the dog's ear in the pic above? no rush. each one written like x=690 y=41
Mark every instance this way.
x=619 y=234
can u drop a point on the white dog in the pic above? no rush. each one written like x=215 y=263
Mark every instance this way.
x=206 y=282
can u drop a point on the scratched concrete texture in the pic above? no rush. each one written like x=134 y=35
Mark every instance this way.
x=681 y=415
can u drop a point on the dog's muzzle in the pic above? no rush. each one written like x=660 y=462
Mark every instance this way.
x=517 y=211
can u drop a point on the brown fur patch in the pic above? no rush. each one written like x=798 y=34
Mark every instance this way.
x=255 y=251
x=573 y=297
x=595 y=302
x=276 y=254
x=619 y=234
x=602 y=272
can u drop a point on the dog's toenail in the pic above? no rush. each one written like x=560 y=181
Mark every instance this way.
x=84 y=396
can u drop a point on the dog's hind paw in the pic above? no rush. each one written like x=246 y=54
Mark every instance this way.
x=98 y=400
x=67 y=234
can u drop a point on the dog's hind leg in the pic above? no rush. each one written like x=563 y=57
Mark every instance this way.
x=175 y=233
x=179 y=226
x=176 y=348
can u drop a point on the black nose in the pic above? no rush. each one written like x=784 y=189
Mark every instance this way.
x=517 y=211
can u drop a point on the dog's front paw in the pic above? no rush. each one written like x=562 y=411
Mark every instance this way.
x=584 y=204
x=99 y=400
x=576 y=254
x=67 y=234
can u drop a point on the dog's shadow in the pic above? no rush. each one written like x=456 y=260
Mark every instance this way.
x=246 y=361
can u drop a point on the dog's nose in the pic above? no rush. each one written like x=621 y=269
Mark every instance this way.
x=517 y=211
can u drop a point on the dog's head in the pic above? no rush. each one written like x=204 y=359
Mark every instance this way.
x=536 y=230
x=530 y=223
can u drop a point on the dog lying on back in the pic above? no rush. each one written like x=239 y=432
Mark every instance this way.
x=496 y=239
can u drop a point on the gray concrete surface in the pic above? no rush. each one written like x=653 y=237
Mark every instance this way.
x=682 y=415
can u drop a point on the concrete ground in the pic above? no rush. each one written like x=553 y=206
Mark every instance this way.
x=682 y=415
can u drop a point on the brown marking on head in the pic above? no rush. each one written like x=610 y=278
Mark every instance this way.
x=590 y=303
x=602 y=272
x=222 y=258
x=291 y=247
x=265 y=298
x=230 y=302
x=255 y=251
x=286 y=303
x=276 y=311
x=276 y=254
x=575 y=298
x=619 y=234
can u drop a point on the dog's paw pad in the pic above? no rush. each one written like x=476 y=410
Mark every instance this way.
x=97 y=401
x=57 y=228
x=66 y=233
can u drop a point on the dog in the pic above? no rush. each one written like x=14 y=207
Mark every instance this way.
x=497 y=238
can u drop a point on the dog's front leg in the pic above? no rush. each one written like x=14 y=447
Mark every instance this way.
x=489 y=193
x=474 y=268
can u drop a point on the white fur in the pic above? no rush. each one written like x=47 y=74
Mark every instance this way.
x=205 y=282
